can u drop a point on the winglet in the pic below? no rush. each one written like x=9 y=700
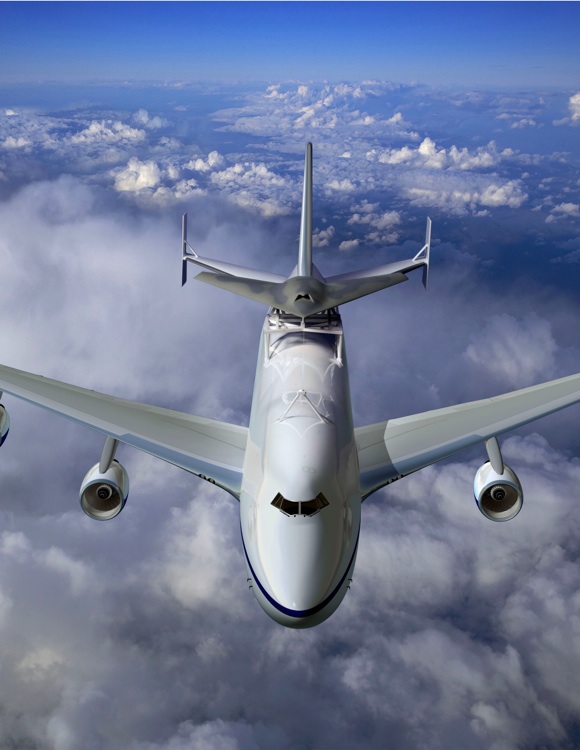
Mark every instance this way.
x=183 y=249
x=425 y=252
x=184 y=245
x=305 y=250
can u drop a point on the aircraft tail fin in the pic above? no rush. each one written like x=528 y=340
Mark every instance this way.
x=305 y=248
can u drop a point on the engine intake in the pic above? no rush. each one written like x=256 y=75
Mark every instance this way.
x=103 y=496
x=498 y=496
x=4 y=424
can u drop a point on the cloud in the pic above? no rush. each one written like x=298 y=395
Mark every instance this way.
x=567 y=209
x=322 y=237
x=574 y=109
x=12 y=142
x=460 y=197
x=426 y=155
x=525 y=122
x=343 y=186
x=137 y=176
x=347 y=245
x=515 y=352
x=455 y=629
x=143 y=118
x=107 y=131
x=574 y=106
x=369 y=215
x=214 y=160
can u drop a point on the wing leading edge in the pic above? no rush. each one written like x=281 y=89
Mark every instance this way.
x=392 y=449
x=208 y=448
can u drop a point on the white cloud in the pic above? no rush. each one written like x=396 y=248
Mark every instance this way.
x=108 y=131
x=427 y=155
x=568 y=209
x=467 y=195
x=342 y=186
x=247 y=173
x=574 y=106
x=322 y=237
x=516 y=352
x=368 y=215
x=12 y=142
x=525 y=122
x=214 y=161
x=137 y=176
x=143 y=118
x=347 y=245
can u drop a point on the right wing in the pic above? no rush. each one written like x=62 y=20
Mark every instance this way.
x=211 y=449
x=390 y=450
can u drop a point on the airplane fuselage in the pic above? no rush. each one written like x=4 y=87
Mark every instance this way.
x=300 y=498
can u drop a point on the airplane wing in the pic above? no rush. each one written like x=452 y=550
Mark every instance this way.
x=211 y=449
x=392 y=449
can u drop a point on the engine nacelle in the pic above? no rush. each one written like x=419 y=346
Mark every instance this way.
x=498 y=496
x=103 y=496
x=4 y=424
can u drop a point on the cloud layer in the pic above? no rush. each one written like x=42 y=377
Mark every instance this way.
x=140 y=633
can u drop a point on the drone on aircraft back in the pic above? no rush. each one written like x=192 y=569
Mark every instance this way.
x=301 y=470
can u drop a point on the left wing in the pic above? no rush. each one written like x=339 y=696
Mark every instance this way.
x=390 y=450
x=211 y=449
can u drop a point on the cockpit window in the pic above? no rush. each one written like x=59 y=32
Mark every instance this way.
x=306 y=508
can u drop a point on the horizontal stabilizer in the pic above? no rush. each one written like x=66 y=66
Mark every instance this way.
x=303 y=295
x=188 y=255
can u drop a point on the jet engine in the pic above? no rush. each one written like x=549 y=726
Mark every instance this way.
x=498 y=496
x=4 y=424
x=103 y=495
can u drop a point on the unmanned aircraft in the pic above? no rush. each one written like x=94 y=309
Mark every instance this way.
x=301 y=470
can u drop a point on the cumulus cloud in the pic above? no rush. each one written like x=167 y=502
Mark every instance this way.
x=137 y=176
x=574 y=109
x=468 y=195
x=143 y=118
x=107 y=131
x=214 y=160
x=342 y=186
x=368 y=215
x=347 y=245
x=322 y=237
x=322 y=110
x=12 y=142
x=574 y=106
x=427 y=155
x=564 y=210
x=525 y=122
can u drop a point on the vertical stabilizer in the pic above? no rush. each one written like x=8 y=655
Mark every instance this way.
x=305 y=249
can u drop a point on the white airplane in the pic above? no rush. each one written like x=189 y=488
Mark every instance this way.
x=301 y=469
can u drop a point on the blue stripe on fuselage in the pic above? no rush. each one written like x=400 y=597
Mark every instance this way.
x=300 y=612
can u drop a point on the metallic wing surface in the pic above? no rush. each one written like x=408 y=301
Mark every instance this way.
x=211 y=449
x=392 y=449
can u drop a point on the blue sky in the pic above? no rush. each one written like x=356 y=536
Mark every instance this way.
x=140 y=632
x=435 y=43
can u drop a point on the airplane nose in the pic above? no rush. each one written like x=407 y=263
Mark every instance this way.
x=301 y=563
